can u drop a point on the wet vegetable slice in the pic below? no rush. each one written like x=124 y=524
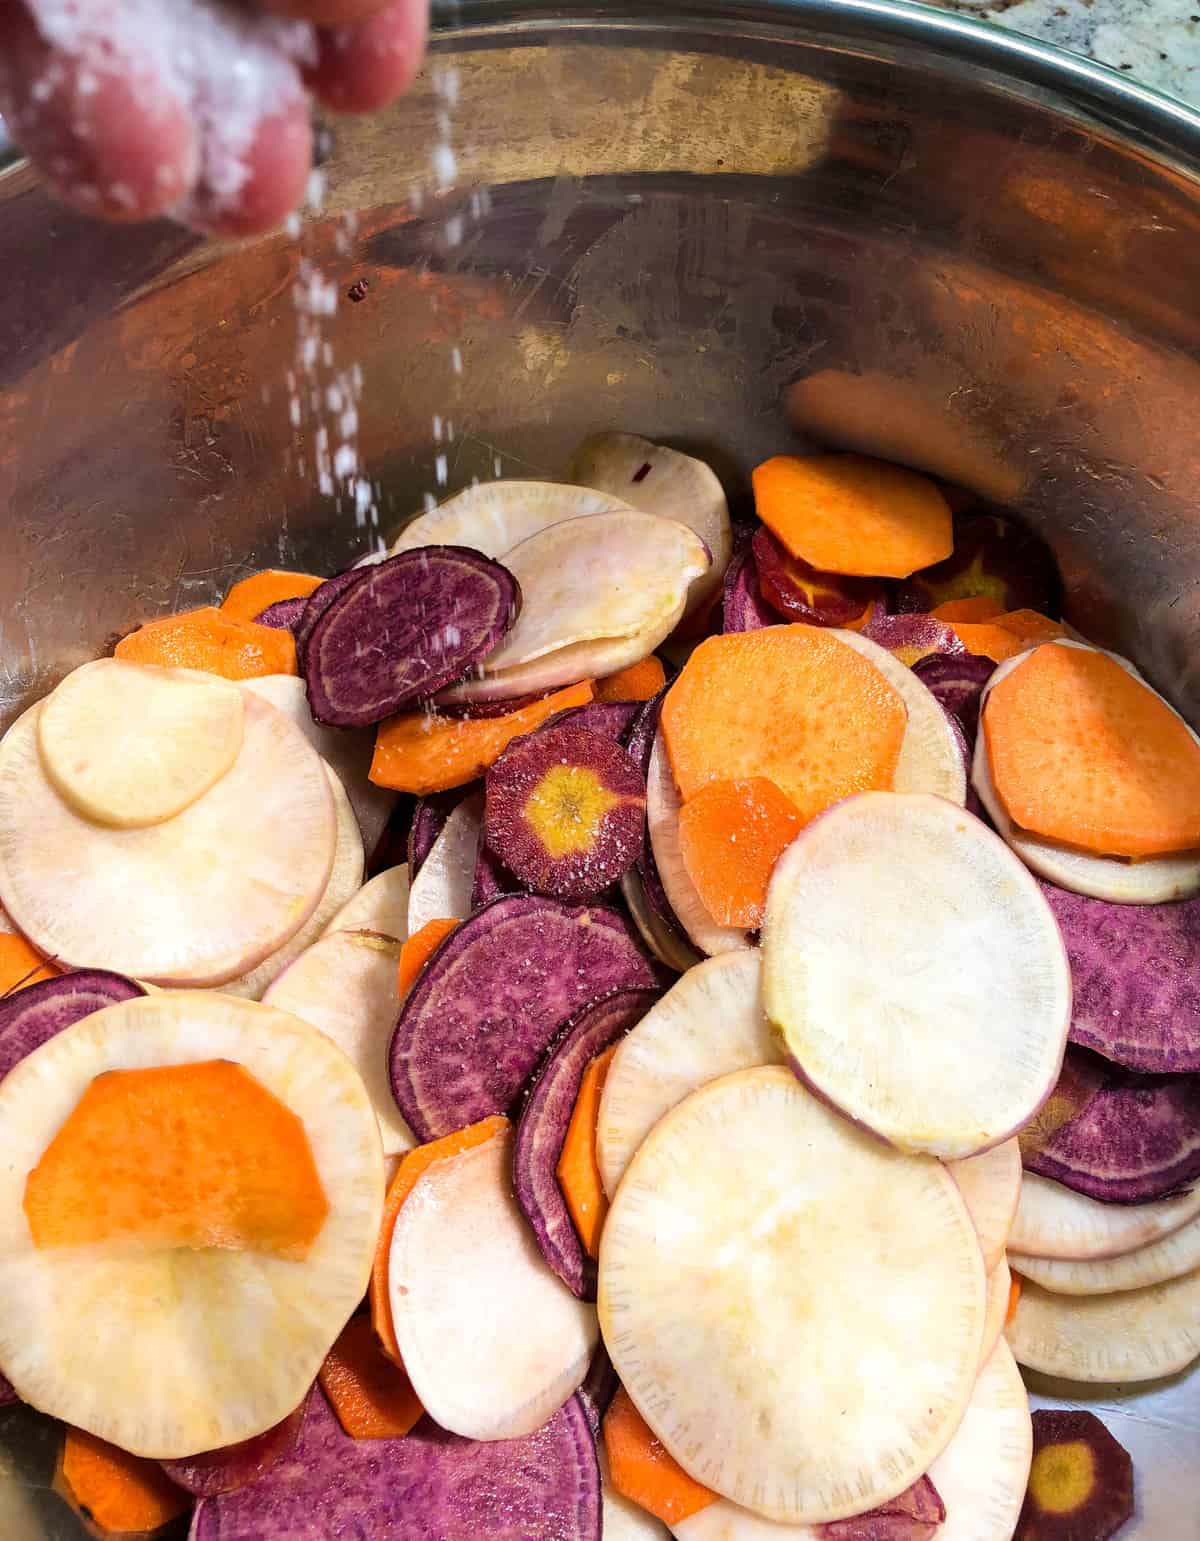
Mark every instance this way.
x=911 y=638
x=730 y=836
x=372 y=1397
x=212 y=642
x=1155 y=1263
x=249 y=597
x=610 y=719
x=994 y=558
x=224 y=1471
x=642 y=1469
x=801 y=593
x=419 y=948
x=115 y=1493
x=640 y=682
x=1080 y=1482
x=1053 y=1222
x=32 y=1016
x=565 y=811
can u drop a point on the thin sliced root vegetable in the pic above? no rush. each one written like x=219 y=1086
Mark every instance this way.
x=442 y=887
x=233 y=1466
x=1155 y=1263
x=953 y=1032
x=197 y=900
x=639 y=682
x=380 y=905
x=212 y=642
x=982 y=1473
x=578 y=1170
x=35 y=1013
x=1080 y=1482
x=419 y=948
x=1134 y=1335
x=115 y=1493
x=999 y=1289
x=493 y=517
x=715 y=1256
x=708 y=1024
x=914 y=1515
x=971 y=608
x=491 y=1340
x=990 y=1183
x=657 y=923
x=372 y=1397
x=988 y=639
x=643 y=1471
x=21 y=965
x=1053 y=1222
x=800 y=593
x=730 y=836
x=129 y=745
x=994 y=557
x=559 y=669
x=622 y=1519
x=77 y=1340
x=249 y=597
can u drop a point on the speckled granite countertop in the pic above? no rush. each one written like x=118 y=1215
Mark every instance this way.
x=1158 y=41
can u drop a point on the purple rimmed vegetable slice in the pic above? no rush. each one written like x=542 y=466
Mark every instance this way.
x=911 y=638
x=957 y=681
x=492 y=879
x=913 y=1515
x=284 y=614
x=800 y=593
x=429 y=1484
x=32 y=1016
x=224 y=1471
x=543 y=1128
x=743 y=606
x=428 y=821
x=610 y=719
x=1080 y=1482
x=320 y=600
x=493 y=997
x=502 y=708
x=407 y=628
x=994 y=557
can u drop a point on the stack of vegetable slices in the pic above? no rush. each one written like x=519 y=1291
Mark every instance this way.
x=647 y=1151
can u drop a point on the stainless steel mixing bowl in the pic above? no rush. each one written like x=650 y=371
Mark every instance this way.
x=905 y=231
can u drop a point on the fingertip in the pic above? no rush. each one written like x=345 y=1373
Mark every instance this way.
x=271 y=183
x=364 y=67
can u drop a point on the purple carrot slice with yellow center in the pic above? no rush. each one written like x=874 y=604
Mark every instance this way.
x=1080 y=1483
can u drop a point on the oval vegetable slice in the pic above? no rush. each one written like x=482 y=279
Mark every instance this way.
x=982 y=1473
x=77 y=1338
x=492 y=1341
x=31 y=1016
x=708 y=1024
x=197 y=900
x=380 y=905
x=493 y=517
x=990 y=1183
x=916 y=973
x=956 y=683
x=755 y=1226
x=1081 y=1480
x=1155 y=1263
x=1132 y=1336
x=1052 y=1221
x=130 y=744
x=442 y=887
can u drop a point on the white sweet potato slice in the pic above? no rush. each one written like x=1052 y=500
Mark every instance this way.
x=982 y=1473
x=1134 y=1335
x=493 y=517
x=168 y=1351
x=195 y=901
x=916 y=973
x=130 y=745
x=1054 y=1222
x=441 y=889
x=991 y=1185
x=1155 y=1263
x=380 y=905
x=491 y=1339
x=347 y=985
x=757 y=1227
x=999 y=1282
x=708 y=1024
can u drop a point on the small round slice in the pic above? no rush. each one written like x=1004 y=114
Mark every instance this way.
x=916 y=973
x=170 y=1349
x=990 y=1183
x=1155 y=1263
x=1132 y=1336
x=756 y=1227
x=195 y=901
x=982 y=1473
x=1054 y=1222
x=493 y=517
x=129 y=744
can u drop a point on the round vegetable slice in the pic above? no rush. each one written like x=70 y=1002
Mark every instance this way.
x=197 y=900
x=1051 y=1221
x=801 y=593
x=320 y=600
x=346 y=984
x=492 y=1341
x=743 y=606
x=33 y=1015
x=130 y=744
x=956 y=683
x=380 y=905
x=441 y=889
x=708 y=1024
x=1135 y=1335
x=916 y=973
x=755 y=1226
x=1081 y=1480
x=235 y=1337
x=982 y=1473
x=990 y=1183
x=1155 y=1263
x=999 y=1285
x=493 y=517
x=555 y=670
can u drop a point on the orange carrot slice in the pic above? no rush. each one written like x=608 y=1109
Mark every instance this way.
x=988 y=638
x=249 y=598
x=420 y=752
x=852 y=515
x=792 y=704
x=116 y=1493
x=1031 y=627
x=199 y=1155
x=731 y=834
x=578 y=1169
x=20 y=965
x=642 y=1471
x=418 y=950
x=1014 y=1298
x=212 y=641
x=975 y=607
x=372 y=1397
x=1084 y=754
x=415 y=1163
x=639 y=682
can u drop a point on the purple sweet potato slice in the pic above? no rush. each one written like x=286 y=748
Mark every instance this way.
x=743 y=607
x=428 y=1486
x=428 y=821
x=1081 y=1077
x=320 y=600
x=492 y=879
x=911 y=638
x=407 y=628
x=993 y=556
x=913 y=1515
x=1080 y=1482
x=610 y=719
x=491 y=1000
x=565 y=811
x=234 y=1466
x=286 y=614
x=543 y=1128
x=1135 y=975
x=32 y=1016
x=957 y=681
x=801 y=593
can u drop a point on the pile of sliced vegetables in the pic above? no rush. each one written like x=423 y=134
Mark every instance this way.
x=751 y=1063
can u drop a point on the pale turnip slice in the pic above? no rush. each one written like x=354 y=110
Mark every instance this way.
x=1134 y=1335
x=666 y=482
x=441 y=890
x=347 y=985
x=983 y=1472
x=757 y=1227
x=916 y=973
x=130 y=745
x=662 y=822
x=931 y=756
x=195 y=901
x=347 y=750
x=708 y=1024
x=999 y=1282
x=493 y=517
x=1055 y=1222
x=492 y=1341
x=1155 y=1263
x=991 y=1185
x=380 y=905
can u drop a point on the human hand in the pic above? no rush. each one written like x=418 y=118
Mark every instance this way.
x=194 y=108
